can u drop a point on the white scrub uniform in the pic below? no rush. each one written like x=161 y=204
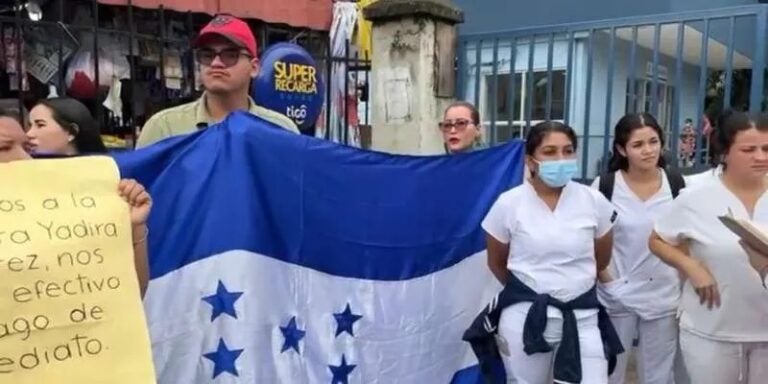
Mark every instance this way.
x=703 y=177
x=553 y=253
x=728 y=344
x=643 y=297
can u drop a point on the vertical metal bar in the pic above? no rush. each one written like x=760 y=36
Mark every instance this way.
x=132 y=66
x=587 y=104
x=368 y=90
x=164 y=90
x=758 y=65
x=512 y=84
x=60 y=72
x=633 y=72
x=355 y=86
x=569 y=77
x=655 y=82
x=609 y=97
x=345 y=105
x=529 y=84
x=678 y=90
x=99 y=111
x=729 y=64
x=550 y=53
x=461 y=78
x=190 y=57
x=328 y=94
x=702 y=92
x=478 y=65
x=495 y=88
x=19 y=72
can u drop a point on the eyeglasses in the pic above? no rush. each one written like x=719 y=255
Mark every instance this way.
x=460 y=125
x=228 y=57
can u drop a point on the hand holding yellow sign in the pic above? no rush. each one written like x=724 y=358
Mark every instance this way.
x=70 y=309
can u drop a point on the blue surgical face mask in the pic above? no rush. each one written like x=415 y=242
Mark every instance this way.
x=557 y=173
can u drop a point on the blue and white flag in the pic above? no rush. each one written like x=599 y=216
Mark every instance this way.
x=278 y=258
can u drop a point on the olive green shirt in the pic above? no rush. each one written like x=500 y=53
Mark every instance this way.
x=190 y=117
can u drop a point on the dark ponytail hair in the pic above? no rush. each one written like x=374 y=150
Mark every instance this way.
x=623 y=131
x=539 y=131
x=75 y=118
x=729 y=124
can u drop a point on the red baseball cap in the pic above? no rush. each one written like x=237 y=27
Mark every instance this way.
x=231 y=28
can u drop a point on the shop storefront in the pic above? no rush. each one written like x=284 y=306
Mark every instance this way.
x=127 y=59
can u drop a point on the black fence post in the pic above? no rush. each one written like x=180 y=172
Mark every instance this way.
x=61 y=74
x=133 y=123
x=96 y=82
x=19 y=70
x=164 y=97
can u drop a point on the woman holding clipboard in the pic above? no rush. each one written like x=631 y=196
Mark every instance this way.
x=724 y=309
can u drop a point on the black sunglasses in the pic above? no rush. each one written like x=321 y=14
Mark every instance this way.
x=228 y=57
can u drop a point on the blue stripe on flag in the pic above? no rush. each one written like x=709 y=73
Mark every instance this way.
x=306 y=201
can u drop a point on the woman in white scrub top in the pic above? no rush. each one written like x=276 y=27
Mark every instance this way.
x=549 y=237
x=640 y=292
x=724 y=308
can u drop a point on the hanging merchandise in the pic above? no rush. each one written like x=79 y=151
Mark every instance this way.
x=41 y=52
x=10 y=49
x=342 y=30
x=80 y=74
x=364 y=30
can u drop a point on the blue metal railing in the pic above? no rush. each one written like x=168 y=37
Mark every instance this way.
x=598 y=57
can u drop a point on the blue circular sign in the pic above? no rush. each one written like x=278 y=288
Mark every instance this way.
x=289 y=83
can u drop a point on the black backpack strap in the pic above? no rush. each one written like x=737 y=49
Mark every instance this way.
x=676 y=181
x=606 y=184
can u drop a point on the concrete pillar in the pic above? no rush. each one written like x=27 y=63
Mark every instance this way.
x=412 y=72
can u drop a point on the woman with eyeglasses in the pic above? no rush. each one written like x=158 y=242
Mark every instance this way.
x=460 y=127
x=226 y=51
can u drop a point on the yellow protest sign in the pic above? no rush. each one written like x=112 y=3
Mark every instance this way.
x=70 y=308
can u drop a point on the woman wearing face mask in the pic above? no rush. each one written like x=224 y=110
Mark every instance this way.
x=640 y=292
x=724 y=310
x=63 y=126
x=546 y=241
x=460 y=127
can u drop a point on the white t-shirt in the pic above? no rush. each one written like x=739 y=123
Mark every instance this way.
x=642 y=284
x=552 y=252
x=692 y=217
x=703 y=177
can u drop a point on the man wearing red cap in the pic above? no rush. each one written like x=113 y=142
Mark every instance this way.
x=226 y=52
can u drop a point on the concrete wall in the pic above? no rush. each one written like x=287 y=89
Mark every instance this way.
x=406 y=110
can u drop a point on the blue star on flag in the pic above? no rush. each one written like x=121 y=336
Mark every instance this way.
x=341 y=372
x=222 y=301
x=292 y=335
x=223 y=359
x=345 y=321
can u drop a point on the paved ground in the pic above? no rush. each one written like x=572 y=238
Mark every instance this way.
x=632 y=372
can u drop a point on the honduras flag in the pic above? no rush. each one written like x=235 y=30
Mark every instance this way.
x=278 y=258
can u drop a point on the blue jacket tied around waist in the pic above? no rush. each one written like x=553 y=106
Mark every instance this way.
x=481 y=334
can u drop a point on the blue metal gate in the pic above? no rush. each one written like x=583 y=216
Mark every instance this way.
x=679 y=67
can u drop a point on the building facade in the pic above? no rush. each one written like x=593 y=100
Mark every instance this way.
x=589 y=65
